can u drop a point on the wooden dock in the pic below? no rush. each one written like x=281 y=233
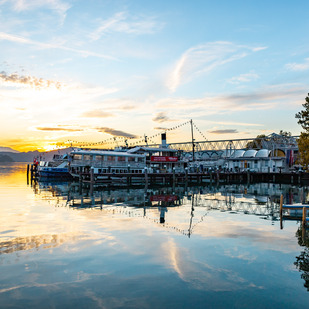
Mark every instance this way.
x=185 y=177
x=194 y=178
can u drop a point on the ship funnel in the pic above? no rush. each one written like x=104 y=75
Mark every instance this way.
x=163 y=140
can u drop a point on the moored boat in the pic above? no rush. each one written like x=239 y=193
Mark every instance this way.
x=57 y=167
x=103 y=162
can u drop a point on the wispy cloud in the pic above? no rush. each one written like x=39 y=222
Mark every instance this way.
x=32 y=81
x=243 y=78
x=22 y=40
x=226 y=131
x=124 y=23
x=263 y=99
x=24 y=5
x=235 y=123
x=114 y=132
x=160 y=128
x=97 y=114
x=58 y=128
x=58 y=6
x=160 y=117
x=299 y=66
x=204 y=58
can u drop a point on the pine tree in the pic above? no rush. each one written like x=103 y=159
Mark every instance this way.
x=303 y=116
x=303 y=141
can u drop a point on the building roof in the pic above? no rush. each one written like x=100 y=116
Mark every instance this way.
x=151 y=149
x=106 y=153
x=250 y=153
x=262 y=153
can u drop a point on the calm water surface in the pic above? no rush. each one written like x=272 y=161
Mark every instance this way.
x=212 y=247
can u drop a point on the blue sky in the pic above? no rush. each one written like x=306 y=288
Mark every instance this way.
x=92 y=70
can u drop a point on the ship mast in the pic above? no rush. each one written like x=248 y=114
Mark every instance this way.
x=193 y=158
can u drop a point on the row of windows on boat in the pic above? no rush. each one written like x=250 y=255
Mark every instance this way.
x=108 y=158
x=107 y=170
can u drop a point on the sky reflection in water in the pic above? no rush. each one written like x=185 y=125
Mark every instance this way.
x=215 y=247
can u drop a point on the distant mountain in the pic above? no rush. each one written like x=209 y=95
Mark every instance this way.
x=8 y=149
x=8 y=156
x=5 y=158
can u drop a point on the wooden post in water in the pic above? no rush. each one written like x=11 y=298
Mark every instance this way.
x=281 y=210
x=174 y=175
x=80 y=176
x=146 y=178
x=92 y=174
x=186 y=171
x=304 y=216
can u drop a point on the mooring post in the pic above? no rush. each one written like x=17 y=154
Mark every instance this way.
x=174 y=175
x=304 y=216
x=186 y=178
x=281 y=210
x=129 y=178
x=91 y=190
x=146 y=177
x=28 y=168
x=92 y=174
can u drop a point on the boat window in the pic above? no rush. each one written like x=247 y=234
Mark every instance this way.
x=87 y=157
x=77 y=157
x=110 y=158
x=131 y=159
x=98 y=158
x=140 y=159
x=121 y=159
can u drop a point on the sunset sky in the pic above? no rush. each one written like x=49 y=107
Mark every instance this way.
x=89 y=71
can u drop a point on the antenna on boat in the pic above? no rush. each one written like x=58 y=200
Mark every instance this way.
x=115 y=139
x=191 y=122
x=146 y=139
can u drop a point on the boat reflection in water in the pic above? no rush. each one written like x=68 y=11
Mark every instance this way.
x=256 y=199
x=64 y=245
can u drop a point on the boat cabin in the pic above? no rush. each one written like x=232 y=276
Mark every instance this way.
x=160 y=159
x=102 y=162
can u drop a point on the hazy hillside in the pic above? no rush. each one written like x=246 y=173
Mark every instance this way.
x=7 y=156
x=8 y=149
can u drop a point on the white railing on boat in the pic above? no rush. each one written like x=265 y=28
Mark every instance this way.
x=105 y=164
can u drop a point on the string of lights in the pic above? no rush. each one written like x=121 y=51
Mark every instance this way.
x=118 y=140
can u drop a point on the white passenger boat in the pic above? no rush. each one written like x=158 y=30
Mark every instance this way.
x=104 y=162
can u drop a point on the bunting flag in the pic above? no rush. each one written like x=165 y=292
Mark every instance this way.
x=116 y=140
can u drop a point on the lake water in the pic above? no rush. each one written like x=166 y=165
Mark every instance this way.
x=62 y=246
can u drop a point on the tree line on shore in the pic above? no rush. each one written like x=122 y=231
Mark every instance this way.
x=303 y=141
